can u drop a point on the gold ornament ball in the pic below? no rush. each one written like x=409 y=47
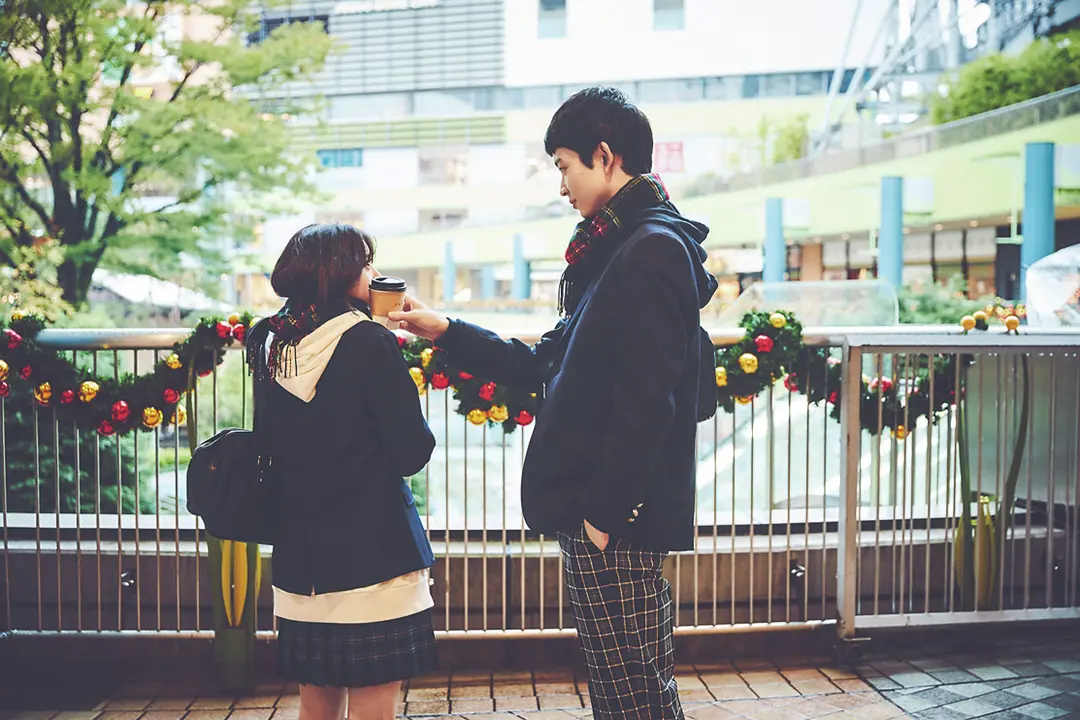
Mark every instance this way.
x=477 y=417
x=173 y=362
x=980 y=316
x=426 y=355
x=88 y=391
x=749 y=363
x=499 y=413
x=967 y=322
x=901 y=432
x=1012 y=323
x=744 y=399
x=17 y=316
x=179 y=417
x=42 y=393
x=152 y=417
x=721 y=377
x=3 y=371
x=777 y=320
x=417 y=376
x=234 y=319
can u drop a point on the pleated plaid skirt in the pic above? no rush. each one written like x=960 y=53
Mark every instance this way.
x=360 y=655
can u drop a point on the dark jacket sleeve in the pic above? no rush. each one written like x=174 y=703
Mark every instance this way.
x=648 y=357
x=484 y=354
x=391 y=396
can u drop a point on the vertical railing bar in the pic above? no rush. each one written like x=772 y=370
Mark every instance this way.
x=930 y=427
x=716 y=518
x=119 y=511
x=97 y=506
x=157 y=506
x=753 y=488
x=427 y=487
x=1003 y=522
x=1027 y=513
x=1071 y=515
x=176 y=518
x=484 y=532
x=1013 y=423
x=734 y=555
x=1051 y=498
x=825 y=504
x=4 y=509
x=37 y=516
x=505 y=549
x=875 y=480
x=465 y=525
x=787 y=558
x=848 y=526
x=770 y=476
x=697 y=537
x=524 y=595
x=198 y=542
x=806 y=511
x=447 y=595
x=979 y=434
x=59 y=501
x=138 y=507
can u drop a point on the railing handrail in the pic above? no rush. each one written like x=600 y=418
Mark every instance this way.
x=922 y=335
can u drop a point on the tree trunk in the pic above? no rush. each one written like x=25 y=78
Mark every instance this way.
x=74 y=278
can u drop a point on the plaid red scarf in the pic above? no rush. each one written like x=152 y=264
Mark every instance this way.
x=603 y=229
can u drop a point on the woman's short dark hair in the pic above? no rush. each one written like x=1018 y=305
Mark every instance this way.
x=602 y=114
x=322 y=262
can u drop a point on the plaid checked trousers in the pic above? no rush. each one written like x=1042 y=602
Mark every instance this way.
x=624 y=613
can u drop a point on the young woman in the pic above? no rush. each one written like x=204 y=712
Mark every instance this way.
x=351 y=559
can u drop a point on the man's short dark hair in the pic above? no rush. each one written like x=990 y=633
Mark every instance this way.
x=322 y=262
x=602 y=114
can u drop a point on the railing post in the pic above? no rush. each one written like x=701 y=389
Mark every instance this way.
x=851 y=439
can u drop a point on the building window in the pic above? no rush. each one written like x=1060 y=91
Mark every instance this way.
x=668 y=15
x=670 y=90
x=269 y=25
x=341 y=158
x=440 y=166
x=552 y=18
x=442 y=219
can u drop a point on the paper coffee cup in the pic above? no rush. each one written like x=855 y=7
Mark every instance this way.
x=387 y=295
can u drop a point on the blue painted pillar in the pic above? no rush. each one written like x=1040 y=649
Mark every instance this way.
x=522 y=283
x=449 y=274
x=1038 y=208
x=487 y=282
x=775 y=265
x=891 y=236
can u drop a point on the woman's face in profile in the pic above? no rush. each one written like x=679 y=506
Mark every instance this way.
x=362 y=289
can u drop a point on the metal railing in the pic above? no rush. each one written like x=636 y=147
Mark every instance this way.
x=1055 y=106
x=800 y=519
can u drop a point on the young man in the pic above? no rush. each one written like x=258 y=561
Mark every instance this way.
x=611 y=465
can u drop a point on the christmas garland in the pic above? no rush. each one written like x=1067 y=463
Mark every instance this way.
x=772 y=348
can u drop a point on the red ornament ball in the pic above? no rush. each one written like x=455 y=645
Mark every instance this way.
x=67 y=397
x=524 y=418
x=487 y=392
x=120 y=411
x=238 y=332
x=205 y=373
x=464 y=376
x=26 y=372
x=440 y=381
x=884 y=383
x=763 y=343
x=5 y=389
x=223 y=330
x=106 y=429
x=791 y=383
x=401 y=341
x=171 y=396
x=14 y=339
x=833 y=397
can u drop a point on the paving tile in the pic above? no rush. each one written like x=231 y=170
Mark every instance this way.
x=760 y=677
x=914 y=679
x=557 y=688
x=940 y=713
x=164 y=715
x=880 y=710
x=513 y=676
x=851 y=685
x=512 y=704
x=710 y=712
x=1068 y=701
x=472 y=705
x=1041 y=711
x=515 y=690
x=1029 y=669
x=557 y=674
x=426 y=707
x=559 y=702
x=464 y=677
x=219 y=714
x=932 y=663
x=1061 y=683
x=77 y=715
x=34 y=715
x=911 y=703
x=953 y=676
x=1063 y=666
x=883 y=683
x=120 y=715
x=752 y=665
x=290 y=713
x=1032 y=691
x=127 y=704
x=992 y=672
x=425 y=694
x=689 y=682
x=464 y=692
x=434 y=680
x=973 y=707
x=839 y=673
x=732 y=692
x=1002 y=699
x=814 y=687
x=1005 y=715
x=250 y=714
x=723 y=679
x=970 y=690
x=693 y=696
x=289 y=701
x=545 y=715
x=773 y=689
x=258 y=701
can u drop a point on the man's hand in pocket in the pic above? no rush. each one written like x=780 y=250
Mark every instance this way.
x=597 y=538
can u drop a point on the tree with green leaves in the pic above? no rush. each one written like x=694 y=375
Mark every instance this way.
x=999 y=80
x=106 y=102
